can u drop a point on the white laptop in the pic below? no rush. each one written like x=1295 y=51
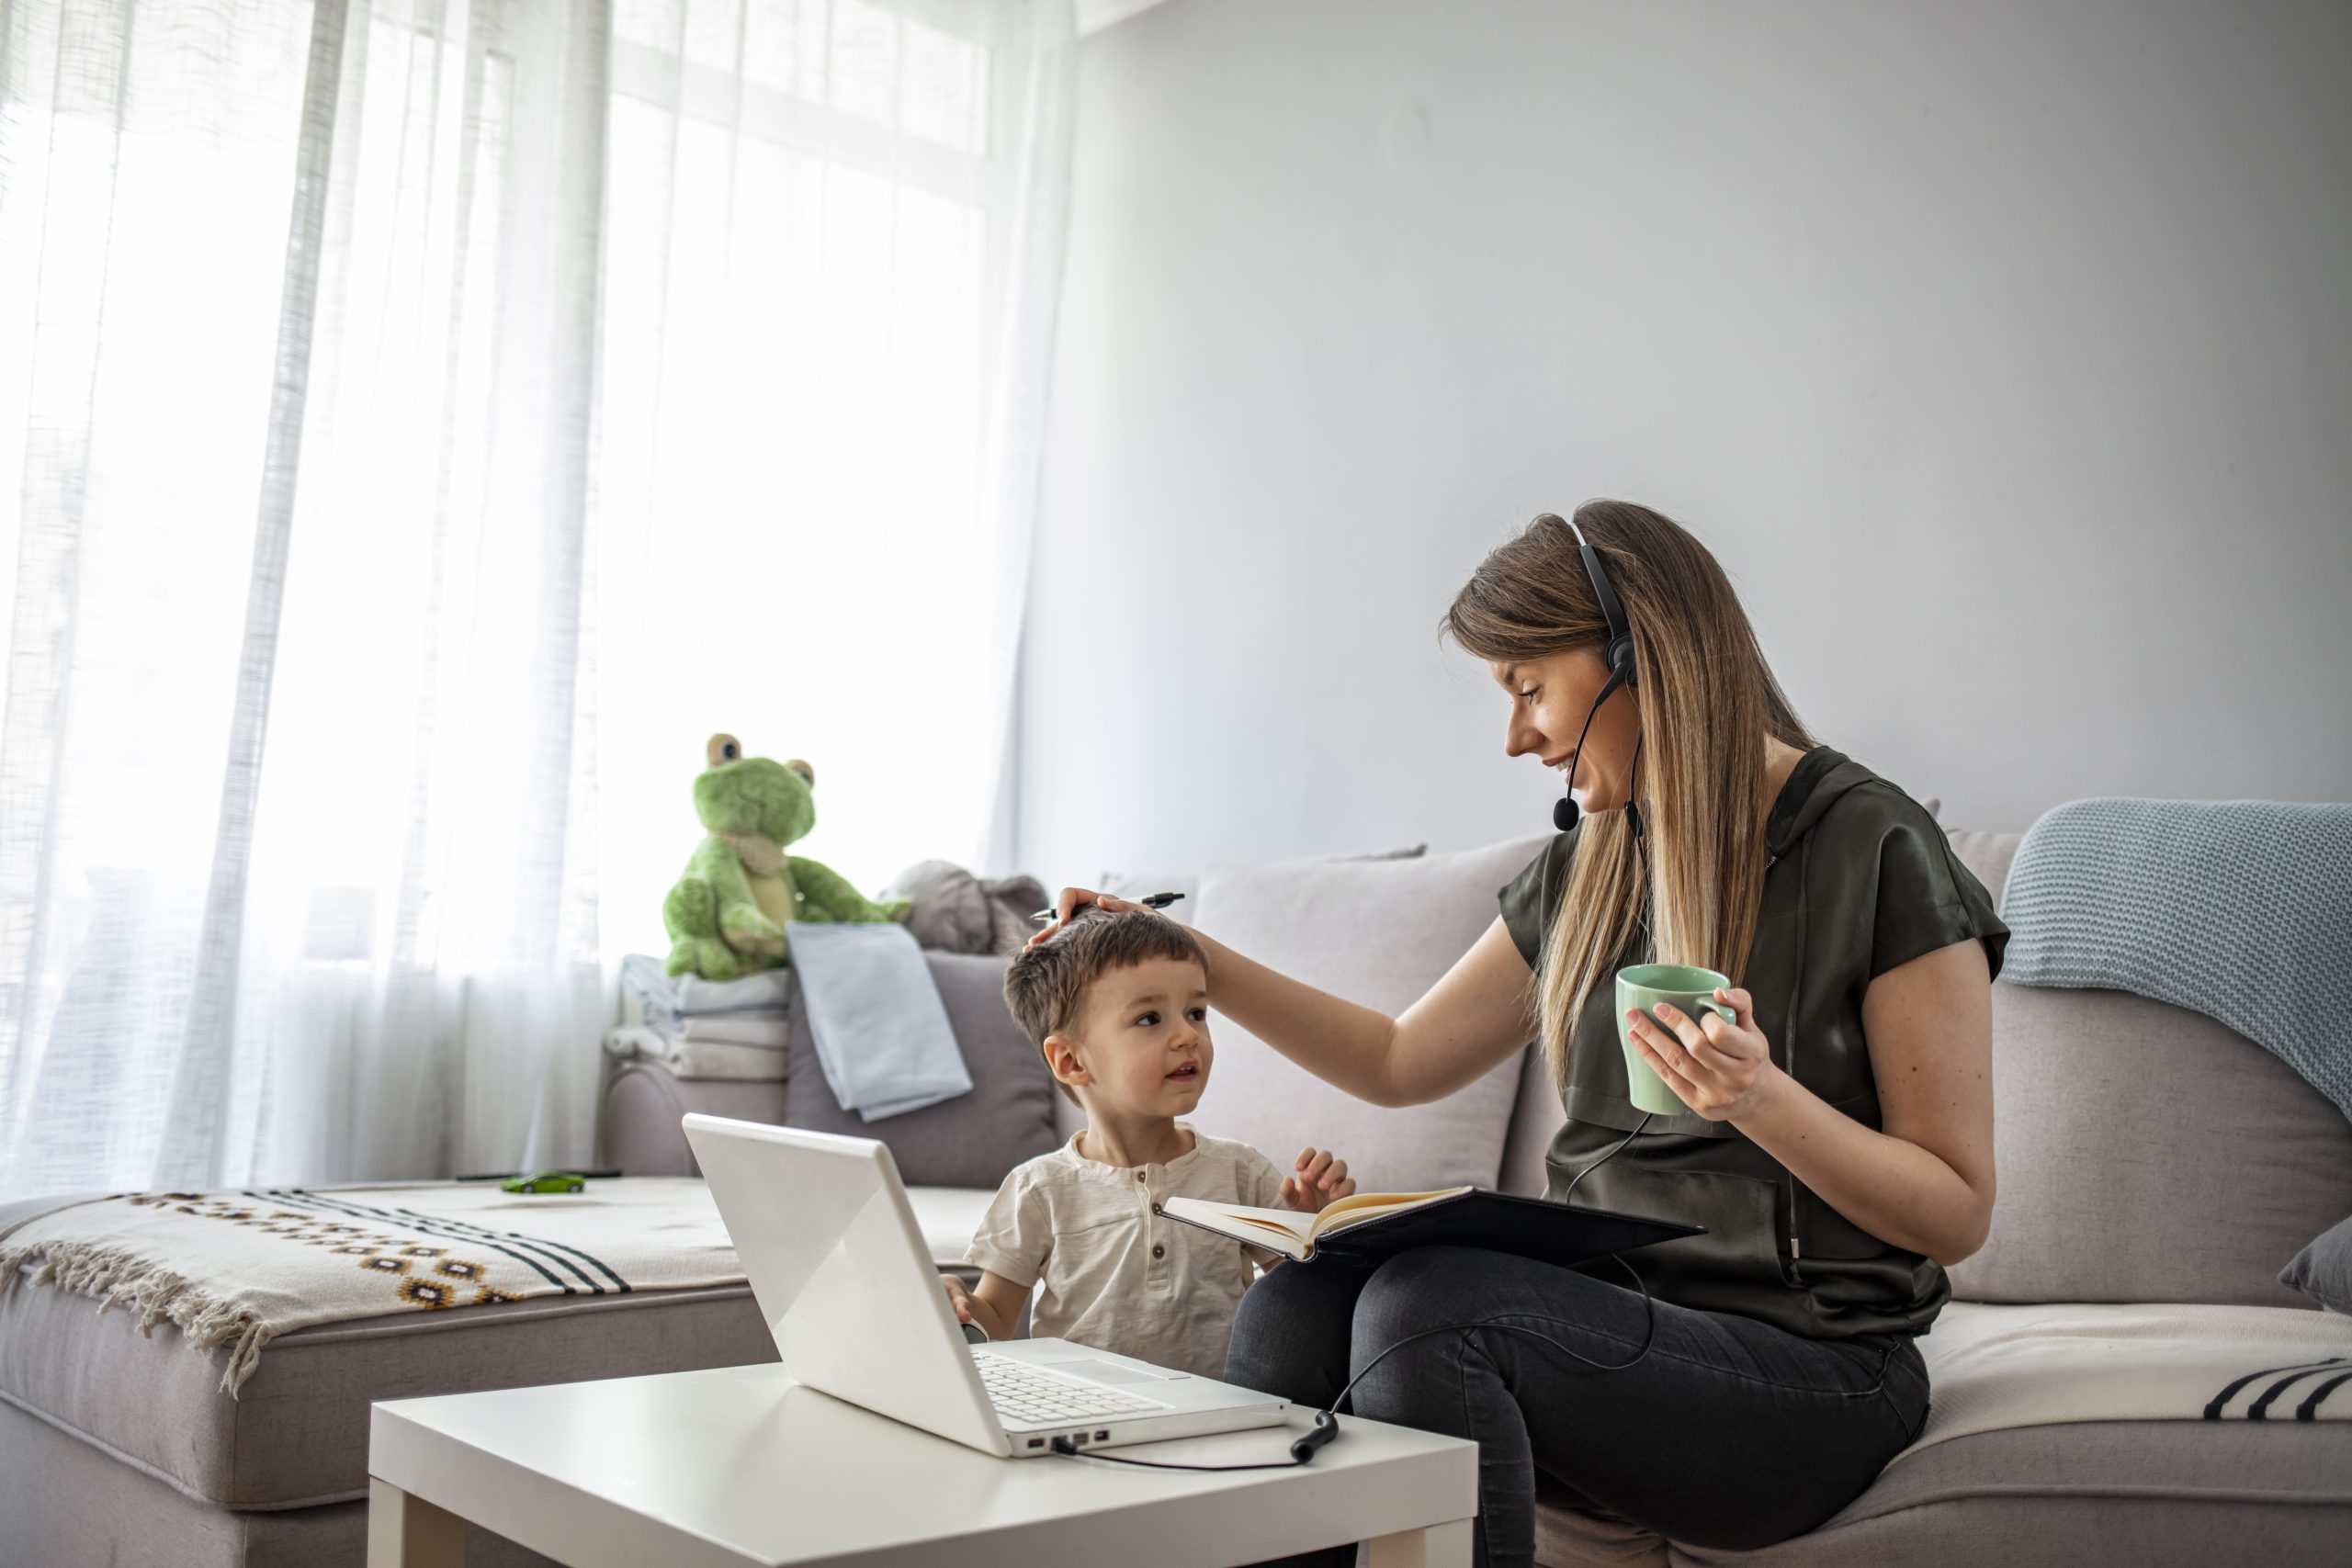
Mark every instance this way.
x=826 y=1234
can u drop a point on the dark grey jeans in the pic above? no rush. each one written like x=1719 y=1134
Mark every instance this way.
x=1729 y=1433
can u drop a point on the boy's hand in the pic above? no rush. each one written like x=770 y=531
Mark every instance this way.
x=1317 y=1182
x=958 y=1297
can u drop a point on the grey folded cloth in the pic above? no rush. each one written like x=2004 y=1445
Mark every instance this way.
x=881 y=1033
x=2238 y=910
x=687 y=1058
x=670 y=1000
x=766 y=1030
x=958 y=912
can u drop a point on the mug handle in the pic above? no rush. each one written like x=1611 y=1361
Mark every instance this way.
x=1725 y=1010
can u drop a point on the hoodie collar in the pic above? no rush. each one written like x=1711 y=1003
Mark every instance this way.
x=1820 y=776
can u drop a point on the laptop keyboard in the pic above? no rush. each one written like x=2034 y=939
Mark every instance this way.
x=1026 y=1397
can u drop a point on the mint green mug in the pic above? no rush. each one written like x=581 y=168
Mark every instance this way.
x=1643 y=986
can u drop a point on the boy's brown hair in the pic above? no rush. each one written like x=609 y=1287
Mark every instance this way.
x=1046 y=983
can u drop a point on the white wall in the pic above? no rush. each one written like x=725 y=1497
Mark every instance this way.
x=2003 y=353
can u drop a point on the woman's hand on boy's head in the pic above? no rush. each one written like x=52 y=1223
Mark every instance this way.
x=1073 y=899
x=1316 y=1180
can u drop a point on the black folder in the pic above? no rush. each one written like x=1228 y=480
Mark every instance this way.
x=1496 y=1221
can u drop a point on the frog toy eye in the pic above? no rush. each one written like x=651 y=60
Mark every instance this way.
x=807 y=774
x=721 y=750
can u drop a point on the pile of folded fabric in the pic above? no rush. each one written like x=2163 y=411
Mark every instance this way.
x=880 y=1030
x=704 y=1029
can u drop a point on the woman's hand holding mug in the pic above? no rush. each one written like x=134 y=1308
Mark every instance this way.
x=1722 y=1071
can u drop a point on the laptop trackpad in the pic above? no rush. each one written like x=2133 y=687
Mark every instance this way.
x=1110 y=1371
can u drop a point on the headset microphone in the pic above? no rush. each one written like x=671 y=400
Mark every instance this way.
x=1618 y=655
x=1564 y=810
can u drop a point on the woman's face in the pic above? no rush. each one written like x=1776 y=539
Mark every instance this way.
x=1549 y=698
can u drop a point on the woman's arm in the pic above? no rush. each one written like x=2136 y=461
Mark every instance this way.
x=1476 y=1016
x=1924 y=1183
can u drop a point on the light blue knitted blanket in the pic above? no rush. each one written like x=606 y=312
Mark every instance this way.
x=2239 y=909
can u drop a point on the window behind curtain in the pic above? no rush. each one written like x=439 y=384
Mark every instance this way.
x=810 y=216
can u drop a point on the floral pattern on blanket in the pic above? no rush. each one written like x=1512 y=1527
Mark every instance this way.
x=236 y=1270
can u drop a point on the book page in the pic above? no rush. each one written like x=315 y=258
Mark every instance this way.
x=1359 y=1207
x=1282 y=1229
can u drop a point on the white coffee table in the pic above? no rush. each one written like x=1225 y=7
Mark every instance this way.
x=740 y=1465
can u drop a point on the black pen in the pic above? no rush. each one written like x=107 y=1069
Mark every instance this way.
x=1151 y=901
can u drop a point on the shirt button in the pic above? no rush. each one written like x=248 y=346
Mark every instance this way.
x=1158 y=1250
x=1140 y=1176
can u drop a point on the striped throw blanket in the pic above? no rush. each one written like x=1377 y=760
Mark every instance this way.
x=2238 y=910
x=236 y=1270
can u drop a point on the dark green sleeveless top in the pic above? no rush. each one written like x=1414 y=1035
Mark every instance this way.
x=1861 y=880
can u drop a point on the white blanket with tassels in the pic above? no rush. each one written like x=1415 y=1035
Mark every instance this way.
x=236 y=1270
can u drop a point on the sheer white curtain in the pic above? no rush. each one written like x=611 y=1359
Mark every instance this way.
x=411 y=440
x=833 y=241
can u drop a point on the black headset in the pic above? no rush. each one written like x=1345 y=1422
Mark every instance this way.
x=1618 y=655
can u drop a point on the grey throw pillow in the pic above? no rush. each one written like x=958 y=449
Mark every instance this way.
x=974 y=1139
x=1143 y=885
x=2323 y=1270
x=1379 y=932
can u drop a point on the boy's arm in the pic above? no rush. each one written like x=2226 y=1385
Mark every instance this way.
x=995 y=1306
x=1010 y=1249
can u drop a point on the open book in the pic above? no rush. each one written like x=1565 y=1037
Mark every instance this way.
x=1291 y=1233
x=1372 y=1225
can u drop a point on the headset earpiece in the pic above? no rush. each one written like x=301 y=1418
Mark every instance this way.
x=1620 y=657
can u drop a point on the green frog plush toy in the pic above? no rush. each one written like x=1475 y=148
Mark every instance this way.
x=725 y=917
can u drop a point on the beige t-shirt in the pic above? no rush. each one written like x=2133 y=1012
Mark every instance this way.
x=1110 y=1273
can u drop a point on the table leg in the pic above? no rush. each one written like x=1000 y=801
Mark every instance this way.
x=409 y=1532
x=1439 y=1546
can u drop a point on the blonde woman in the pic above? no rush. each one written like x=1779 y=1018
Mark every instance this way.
x=1835 y=1141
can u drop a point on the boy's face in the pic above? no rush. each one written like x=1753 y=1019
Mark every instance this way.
x=1139 y=1046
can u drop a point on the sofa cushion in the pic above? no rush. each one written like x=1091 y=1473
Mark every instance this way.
x=2125 y=1494
x=1987 y=856
x=1378 y=933
x=2323 y=1270
x=1535 y=1118
x=297 y=1431
x=969 y=1141
x=1186 y=911
x=2145 y=1152
x=645 y=1102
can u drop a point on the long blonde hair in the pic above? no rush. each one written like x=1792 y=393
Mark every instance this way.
x=1705 y=699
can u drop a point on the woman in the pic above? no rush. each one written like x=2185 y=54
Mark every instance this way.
x=1838 y=1143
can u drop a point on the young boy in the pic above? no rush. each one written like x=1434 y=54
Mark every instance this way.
x=1119 y=1005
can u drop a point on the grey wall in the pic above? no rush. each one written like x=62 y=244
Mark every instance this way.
x=2003 y=353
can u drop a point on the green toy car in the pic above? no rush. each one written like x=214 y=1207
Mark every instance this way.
x=546 y=1182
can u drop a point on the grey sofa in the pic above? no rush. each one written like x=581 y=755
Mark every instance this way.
x=2145 y=1155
